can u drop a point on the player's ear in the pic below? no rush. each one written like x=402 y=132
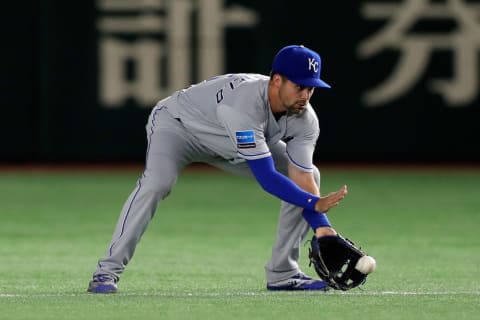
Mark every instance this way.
x=276 y=79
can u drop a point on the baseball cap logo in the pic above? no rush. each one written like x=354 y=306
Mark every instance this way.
x=313 y=64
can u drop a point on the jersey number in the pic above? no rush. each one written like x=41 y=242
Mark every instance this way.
x=232 y=84
x=220 y=95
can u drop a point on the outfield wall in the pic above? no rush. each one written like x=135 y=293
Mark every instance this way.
x=79 y=77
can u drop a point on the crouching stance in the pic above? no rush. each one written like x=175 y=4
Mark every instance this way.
x=251 y=125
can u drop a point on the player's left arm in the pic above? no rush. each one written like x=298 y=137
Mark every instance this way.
x=300 y=167
x=317 y=220
x=303 y=179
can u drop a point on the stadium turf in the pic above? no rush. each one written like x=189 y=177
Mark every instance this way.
x=202 y=256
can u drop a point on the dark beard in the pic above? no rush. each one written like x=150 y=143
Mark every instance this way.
x=292 y=111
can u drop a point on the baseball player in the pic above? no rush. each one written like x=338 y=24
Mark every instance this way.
x=250 y=125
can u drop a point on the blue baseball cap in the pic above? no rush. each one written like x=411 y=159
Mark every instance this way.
x=300 y=65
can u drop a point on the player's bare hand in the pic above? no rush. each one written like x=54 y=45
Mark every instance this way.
x=331 y=200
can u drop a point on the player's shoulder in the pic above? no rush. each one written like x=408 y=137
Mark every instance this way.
x=250 y=88
x=308 y=115
x=254 y=84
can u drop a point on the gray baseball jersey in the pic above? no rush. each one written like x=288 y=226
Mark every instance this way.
x=231 y=116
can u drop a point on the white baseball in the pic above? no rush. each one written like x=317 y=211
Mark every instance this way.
x=366 y=264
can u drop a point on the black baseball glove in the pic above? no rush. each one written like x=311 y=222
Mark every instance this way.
x=334 y=259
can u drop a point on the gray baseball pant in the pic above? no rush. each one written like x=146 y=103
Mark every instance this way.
x=170 y=148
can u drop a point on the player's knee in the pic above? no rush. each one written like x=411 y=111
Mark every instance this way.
x=159 y=188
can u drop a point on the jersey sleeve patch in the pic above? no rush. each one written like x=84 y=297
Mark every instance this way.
x=245 y=139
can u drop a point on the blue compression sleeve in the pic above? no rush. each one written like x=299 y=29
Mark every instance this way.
x=279 y=185
x=316 y=219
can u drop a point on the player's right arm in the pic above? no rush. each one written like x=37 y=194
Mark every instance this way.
x=284 y=188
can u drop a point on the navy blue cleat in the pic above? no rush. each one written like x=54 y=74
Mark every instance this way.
x=298 y=282
x=103 y=283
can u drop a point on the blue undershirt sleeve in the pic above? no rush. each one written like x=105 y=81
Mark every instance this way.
x=279 y=185
x=316 y=219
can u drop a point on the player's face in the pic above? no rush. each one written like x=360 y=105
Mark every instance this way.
x=294 y=97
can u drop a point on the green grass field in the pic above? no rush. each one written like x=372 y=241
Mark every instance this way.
x=202 y=256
